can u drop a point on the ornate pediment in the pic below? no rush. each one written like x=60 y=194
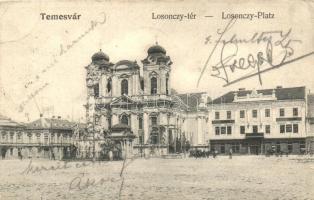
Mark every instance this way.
x=122 y=100
x=254 y=95
x=124 y=76
x=153 y=74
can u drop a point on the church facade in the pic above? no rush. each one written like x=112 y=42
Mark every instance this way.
x=139 y=97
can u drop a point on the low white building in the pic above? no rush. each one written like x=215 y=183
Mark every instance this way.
x=51 y=138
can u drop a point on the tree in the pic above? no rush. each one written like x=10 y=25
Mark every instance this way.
x=107 y=146
x=173 y=91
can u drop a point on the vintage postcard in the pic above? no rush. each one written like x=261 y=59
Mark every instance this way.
x=169 y=99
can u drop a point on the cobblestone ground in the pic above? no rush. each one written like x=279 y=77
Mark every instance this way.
x=243 y=177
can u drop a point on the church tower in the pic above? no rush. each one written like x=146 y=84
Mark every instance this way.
x=99 y=85
x=156 y=95
x=156 y=72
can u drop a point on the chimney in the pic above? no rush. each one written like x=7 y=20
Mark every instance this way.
x=241 y=89
x=279 y=87
x=235 y=96
x=59 y=117
x=41 y=118
x=273 y=93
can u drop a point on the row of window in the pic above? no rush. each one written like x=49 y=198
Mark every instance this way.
x=125 y=87
x=255 y=129
x=284 y=128
x=254 y=113
x=277 y=146
x=289 y=128
x=5 y=136
x=125 y=120
x=222 y=130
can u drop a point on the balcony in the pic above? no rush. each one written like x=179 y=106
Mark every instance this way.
x=282 y=119
x=157 y=97
x=34 y=144
x=227 y=121
x=59 y=142
x=254 y=135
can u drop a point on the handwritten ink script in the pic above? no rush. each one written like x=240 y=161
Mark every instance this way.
x=228 y=49
x=34 y=168
x=63 y=50
x=31 y=96
x=83 y=181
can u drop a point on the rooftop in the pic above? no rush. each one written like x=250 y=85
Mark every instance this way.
x=7 y=122
x=280 y=94
x=53 y=123
x=120 y=126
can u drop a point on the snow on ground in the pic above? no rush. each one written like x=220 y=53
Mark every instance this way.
x=243 y=177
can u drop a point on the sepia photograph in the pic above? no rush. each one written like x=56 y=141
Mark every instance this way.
x=168 y=99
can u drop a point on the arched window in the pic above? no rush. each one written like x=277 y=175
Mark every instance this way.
x=109 y=85
x=154 y=138
x=142 y=85
x=153 y=85
x=154 y=120
x=140 y=123
x=124 y=87
x=125 y=120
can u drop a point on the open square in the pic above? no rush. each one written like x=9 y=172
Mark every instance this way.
x=242 y=177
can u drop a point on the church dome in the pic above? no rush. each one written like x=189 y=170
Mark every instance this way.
x=99 y=56
x=156 y=49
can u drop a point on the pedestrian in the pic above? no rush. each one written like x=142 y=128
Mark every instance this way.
x=20 y=154
x=110 y=155
x=214 y=153
x=53 y=156
x=230 y=153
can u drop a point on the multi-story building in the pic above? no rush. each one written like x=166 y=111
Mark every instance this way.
x=141 y=98
x=255 y=121
x=51 y=138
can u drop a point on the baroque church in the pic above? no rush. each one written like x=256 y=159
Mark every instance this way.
x=133 y=104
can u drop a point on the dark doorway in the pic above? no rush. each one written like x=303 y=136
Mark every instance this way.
x=171 y=141
x=3 y=152
x=255 y=149
x=255 y=146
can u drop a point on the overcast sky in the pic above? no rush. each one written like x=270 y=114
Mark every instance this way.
x=29 y=44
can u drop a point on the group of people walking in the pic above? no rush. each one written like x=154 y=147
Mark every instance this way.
x=205 y=154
